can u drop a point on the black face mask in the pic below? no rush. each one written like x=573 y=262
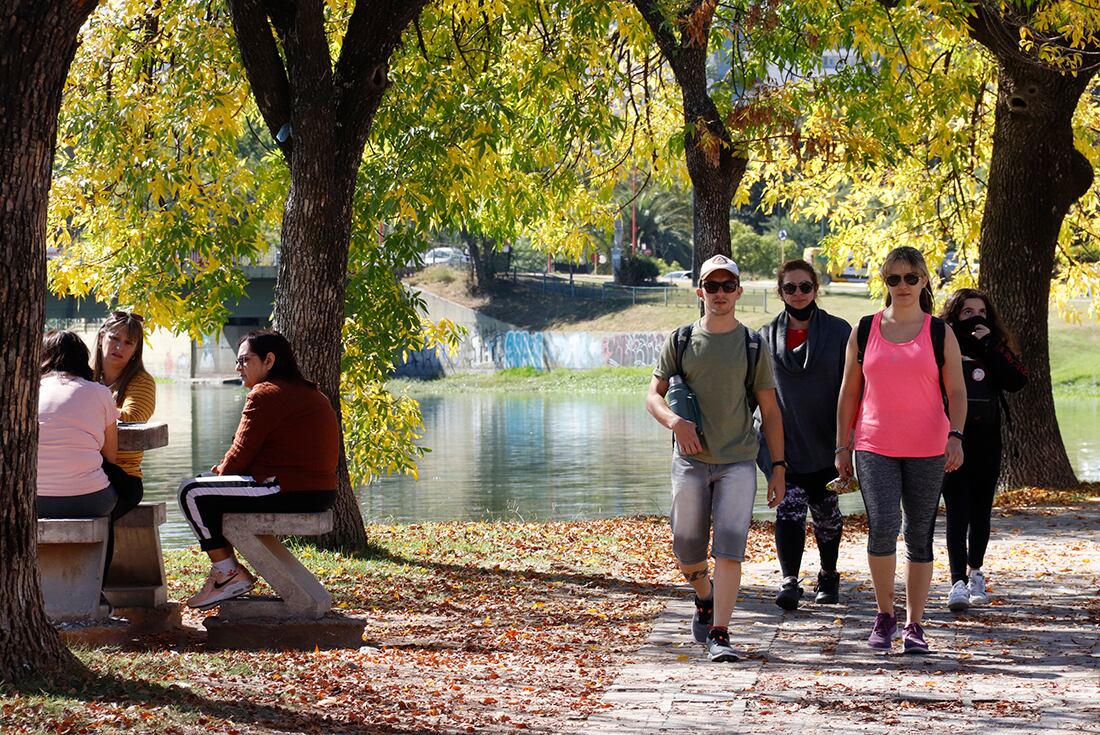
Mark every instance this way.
x=801 y=314
x=964 y=332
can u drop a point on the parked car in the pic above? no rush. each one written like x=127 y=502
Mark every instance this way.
x=445 y=256
x=676 y=277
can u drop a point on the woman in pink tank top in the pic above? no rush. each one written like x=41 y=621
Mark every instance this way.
x=891 y=413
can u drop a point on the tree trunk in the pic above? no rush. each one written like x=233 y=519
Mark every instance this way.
x=1035 y=175
x=481 y=272
x=37 y=43
x=714 y=162
x=310 y=295
x=320 y=114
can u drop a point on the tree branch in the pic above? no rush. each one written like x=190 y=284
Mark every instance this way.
x=362 y=70
x=263 y=65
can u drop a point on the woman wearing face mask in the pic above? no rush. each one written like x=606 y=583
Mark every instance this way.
x=807 y=347
x=990 y=367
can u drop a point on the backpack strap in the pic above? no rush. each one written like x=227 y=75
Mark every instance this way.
x=939 y=334
x=752 y=358
x=863 y=333
x=683 y=337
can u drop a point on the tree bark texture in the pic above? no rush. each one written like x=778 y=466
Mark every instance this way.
x=482 y=271
x=714 y=162
x=320 y=114
x=37 y=44
x=1035 y=175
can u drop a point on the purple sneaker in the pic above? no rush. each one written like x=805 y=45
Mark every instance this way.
x=882 y=635
x=913 y=639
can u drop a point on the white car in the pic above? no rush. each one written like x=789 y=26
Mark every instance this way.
x=445 y=256
x=676 y=277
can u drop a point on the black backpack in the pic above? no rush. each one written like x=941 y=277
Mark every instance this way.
x=939 y=334
x=752 y=356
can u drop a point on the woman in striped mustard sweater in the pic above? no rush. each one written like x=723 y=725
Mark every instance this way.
x=118 y=365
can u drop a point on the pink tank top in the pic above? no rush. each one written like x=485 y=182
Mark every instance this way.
x=901 y=414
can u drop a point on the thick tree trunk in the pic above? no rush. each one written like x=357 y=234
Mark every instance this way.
x=321 y=115
x=37 y=43
x=310 y=294
x=714 y=162
x=482 y=274
x=1035 y=175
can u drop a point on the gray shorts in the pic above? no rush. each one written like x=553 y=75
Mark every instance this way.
x=703 y=495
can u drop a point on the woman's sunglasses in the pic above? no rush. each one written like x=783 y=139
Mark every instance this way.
x=804 y=287
x=713 y=286
x=894 y=279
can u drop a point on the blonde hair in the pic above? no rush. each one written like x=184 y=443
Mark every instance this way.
x=913 y=258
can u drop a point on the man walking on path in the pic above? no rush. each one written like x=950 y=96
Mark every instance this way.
x=713 y=461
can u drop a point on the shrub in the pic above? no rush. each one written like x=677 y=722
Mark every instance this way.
x=635 y=270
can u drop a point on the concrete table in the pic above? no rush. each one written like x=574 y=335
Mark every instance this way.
x=139 y=436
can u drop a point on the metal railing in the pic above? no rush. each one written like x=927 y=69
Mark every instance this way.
x=753 y=299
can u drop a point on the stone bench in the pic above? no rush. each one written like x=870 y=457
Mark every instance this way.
x=256 y=537
x=136 y=578
x=71 y=552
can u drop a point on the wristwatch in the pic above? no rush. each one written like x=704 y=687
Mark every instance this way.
x=780 y=463
x=955 y=433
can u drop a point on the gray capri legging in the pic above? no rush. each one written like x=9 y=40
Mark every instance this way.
x=914 y=484
x=705 y=494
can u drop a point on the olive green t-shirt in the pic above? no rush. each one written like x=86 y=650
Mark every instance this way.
x=714 y=366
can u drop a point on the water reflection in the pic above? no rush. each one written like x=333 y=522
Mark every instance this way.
x=494 y=456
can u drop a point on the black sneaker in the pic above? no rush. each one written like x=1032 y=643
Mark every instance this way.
x=718 y=646
x=828 y=588
x=789 y=594
x=704 y=616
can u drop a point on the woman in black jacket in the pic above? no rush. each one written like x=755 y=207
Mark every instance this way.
x=990 y=367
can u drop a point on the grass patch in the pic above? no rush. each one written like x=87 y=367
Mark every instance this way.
x=606 y=380
x=1074 y=355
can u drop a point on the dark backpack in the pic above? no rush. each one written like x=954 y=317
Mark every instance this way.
x=752 y=356
x=939 y=334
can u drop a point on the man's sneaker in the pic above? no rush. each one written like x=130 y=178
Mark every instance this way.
x=221 y=586
x=976 y=588
x=913 y=639
x=789 y=594
x=704 y=616
x=828 y=588
x=883 y=632
x=959 y=598
x=718 y=646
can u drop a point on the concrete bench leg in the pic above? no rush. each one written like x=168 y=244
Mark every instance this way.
x=71 y=553
x=136 y=578
x=302 y=595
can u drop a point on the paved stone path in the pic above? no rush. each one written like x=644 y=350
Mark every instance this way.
x=1029 y=662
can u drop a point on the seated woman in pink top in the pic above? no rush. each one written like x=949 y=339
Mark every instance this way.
x=891 y=412
x=76 y=432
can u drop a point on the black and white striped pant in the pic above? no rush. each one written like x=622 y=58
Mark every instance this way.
x=206 y=498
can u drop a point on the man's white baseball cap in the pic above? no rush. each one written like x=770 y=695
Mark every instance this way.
x=718 y=263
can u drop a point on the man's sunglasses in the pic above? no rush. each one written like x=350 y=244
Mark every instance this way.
x=804 y=287
x=894 y=279
x=713 y=286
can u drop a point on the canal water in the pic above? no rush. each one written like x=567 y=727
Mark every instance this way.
x=502 y=456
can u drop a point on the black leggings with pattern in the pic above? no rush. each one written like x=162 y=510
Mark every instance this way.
x=807 y=492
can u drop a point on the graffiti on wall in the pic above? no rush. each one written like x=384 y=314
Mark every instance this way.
x=633 y=349
x=495 y=350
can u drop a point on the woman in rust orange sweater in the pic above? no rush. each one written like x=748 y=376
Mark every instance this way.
x=283 y=460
